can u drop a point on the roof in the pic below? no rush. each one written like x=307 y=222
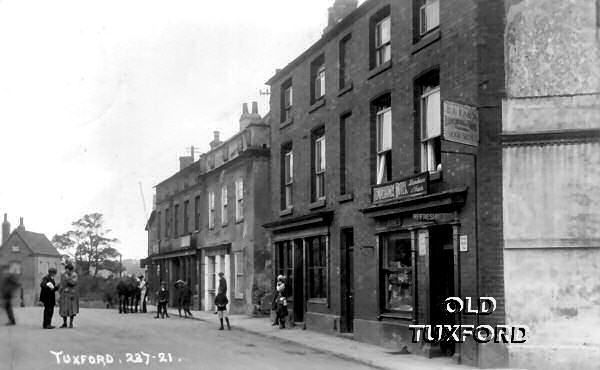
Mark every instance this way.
x=38 y=243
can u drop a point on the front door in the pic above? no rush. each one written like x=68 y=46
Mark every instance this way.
x=347 y=280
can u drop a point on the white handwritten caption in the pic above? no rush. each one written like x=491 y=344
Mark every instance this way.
x=106 y=359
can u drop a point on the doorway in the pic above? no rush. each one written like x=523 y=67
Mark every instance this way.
x=298 y=280
x=347 y=280
x=441 y=282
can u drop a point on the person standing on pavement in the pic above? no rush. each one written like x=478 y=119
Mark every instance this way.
x=221 y=301
x=9 y=282
x=48 y=297
x=186 y=298
x=69 y=296
x=163 y=300
x=179 y=295
x=143 y=293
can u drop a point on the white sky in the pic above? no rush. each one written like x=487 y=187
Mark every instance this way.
x=97 y=96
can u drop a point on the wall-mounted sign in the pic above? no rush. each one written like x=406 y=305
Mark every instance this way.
x=463 y=243
x=416 y=185
x=423 y=241
x=460 y=123
x=185 y=241
x=435 y=217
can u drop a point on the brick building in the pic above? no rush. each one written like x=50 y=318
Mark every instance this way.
x=386 y=171
x=551 y=193
x=207 y=219
x=29 y=255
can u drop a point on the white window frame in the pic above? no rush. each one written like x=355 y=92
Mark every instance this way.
x=320 y=166
x=16 y=248
x=429 y=16
x=224 y=215
x=383 y=41
x=384 y=148
x=211 y=210
x=238 y=265
x=288 y=178
x=239 y=200
x=287 y=102
x=320 y=82
x=430 y=130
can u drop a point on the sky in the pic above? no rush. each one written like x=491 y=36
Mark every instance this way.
x=99 y=98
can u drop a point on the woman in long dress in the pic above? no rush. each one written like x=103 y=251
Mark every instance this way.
x=69 y=296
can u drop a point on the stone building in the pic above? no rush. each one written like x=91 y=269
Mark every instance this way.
x=386 y=171
x=207 y=219
x=551 y=172
x=29 y=255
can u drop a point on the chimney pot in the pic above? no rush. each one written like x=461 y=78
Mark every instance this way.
x=254 y=107
x=244 y=109
x=21 y=225
x=216 y=135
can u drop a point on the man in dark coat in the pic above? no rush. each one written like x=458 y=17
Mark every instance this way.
x=163 y=300
x=9 y=282
x=186 y=298
x=48 y=297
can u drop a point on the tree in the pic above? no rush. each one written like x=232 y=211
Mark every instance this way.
x=89 y=244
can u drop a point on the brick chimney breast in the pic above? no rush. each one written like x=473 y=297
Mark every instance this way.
x=216 y=141
x=339 y=10
x=5 y=228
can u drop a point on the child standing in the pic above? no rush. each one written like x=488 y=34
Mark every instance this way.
x=163 y=300
x=221 y=301
x=281 y=303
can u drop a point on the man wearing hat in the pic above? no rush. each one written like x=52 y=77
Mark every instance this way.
x=48 y=297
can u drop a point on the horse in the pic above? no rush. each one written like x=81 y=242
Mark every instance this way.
x=126 y=291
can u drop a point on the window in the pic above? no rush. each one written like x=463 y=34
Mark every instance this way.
x=287 y=173
x=343 y=169
x=239 y=200
x=224 y=205
x=176 y=221
x=15 y=268
x=345 y=62
x=429 y=16
x=211 y=210
x=317 y=72
x=396 y=271
x=319 y=164
x=16 y=248
x=383 y=48
x=238 y=264
x=286 y=101
x=168 y=223
x=317 y=267
x=197 y=213
x=383 y=131
x=186 y=218
x=285 y=264
x=158 y=225
x=430 y=122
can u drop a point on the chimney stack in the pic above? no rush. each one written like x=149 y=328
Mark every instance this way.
x=216 y=141
x=185 y=161
x=5 y=228
x=339 y=10
x=249 y=118
x=21 y=225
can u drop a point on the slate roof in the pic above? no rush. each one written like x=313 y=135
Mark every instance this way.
x=38 y=243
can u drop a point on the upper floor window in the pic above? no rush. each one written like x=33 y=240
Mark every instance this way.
x=239 y=200
x=430 y=122
x=176 y=221
x=383 y=37
x=345 y=62
x=224 y=205
x=287 y=181
x=197 y=212
x=317 y=72
x=158 y=224
x=429 y=16
x=168 y=223
x=344 y=183
x=186 y=217
x=211 y=210
x=319 y=164
x=286 y=101
x=383 y=129
x=15 y=268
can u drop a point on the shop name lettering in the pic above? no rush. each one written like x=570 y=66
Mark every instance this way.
x=459 y=333
x=413 y=186
x=104 y=360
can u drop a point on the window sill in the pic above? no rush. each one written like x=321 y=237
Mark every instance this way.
x=286 y=212
x=317 y=300
x=316 y=105
x=317 y=204
x=286 y=123
x=426 y=40
x=345 y=197
x=379 y=69
x=345 y=89
x=404 y=316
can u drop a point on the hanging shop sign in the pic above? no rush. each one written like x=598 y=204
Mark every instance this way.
x=461 y=123
x=416 y=185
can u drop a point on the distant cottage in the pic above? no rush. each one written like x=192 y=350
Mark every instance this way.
x=29 y=255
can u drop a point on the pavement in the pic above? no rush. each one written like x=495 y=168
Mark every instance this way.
x=337 y=346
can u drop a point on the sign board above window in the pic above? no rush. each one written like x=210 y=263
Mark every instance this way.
x=461 y=123
x=412 y=186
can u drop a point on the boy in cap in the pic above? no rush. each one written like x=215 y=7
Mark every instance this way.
x=48 y=297
x=163 y=300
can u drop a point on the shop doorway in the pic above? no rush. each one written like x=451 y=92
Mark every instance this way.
x=347 y=280
x=290 y=264
x=298 y=281
x=441 y=282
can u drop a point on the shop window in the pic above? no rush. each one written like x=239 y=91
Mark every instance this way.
x=396 y=274
x=285 y=264
x=239 y=200
x=224 y=205
x=211 y=210
x=319 y=163
x=287 y=176
x=317 y=267
x=238 y=265
x=286 y=101
x=317 y=79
